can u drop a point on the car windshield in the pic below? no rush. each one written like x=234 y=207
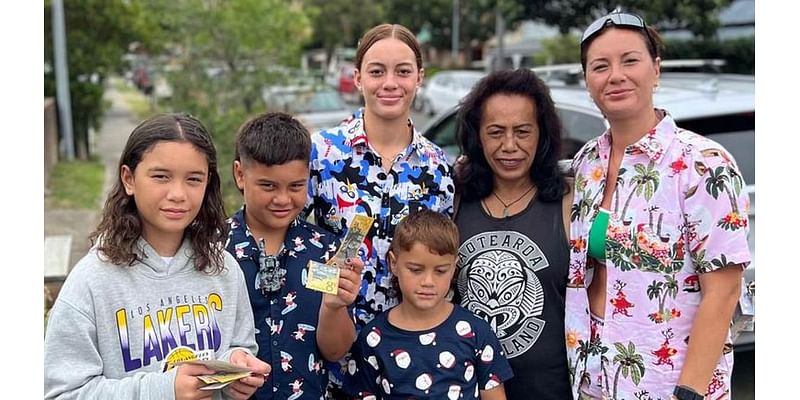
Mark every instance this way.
x=308 y=102
x=304 y=101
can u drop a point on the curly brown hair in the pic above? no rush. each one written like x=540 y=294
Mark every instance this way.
x=120 y=226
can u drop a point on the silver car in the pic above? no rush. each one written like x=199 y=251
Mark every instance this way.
x=719 y=106
x=316 y=107
x=445 y=89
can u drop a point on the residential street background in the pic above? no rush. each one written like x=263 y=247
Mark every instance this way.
x=119 y=120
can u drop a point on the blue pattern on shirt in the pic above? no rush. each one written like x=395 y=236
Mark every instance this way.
x=456 y=359
x=347 y=179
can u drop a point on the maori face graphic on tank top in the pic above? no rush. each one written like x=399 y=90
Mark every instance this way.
x=498 y=283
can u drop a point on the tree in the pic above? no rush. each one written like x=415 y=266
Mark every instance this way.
x=699 y=16
x=224 y=52
x=97 y=34
x=340 y=23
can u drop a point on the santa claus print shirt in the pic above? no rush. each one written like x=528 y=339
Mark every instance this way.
x=454 y=360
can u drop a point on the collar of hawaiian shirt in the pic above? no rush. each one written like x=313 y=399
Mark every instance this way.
x=357 y=137
x=653 y=144
x=242 y=230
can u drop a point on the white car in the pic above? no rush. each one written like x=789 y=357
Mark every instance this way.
x=720 y=106
x=445 y=89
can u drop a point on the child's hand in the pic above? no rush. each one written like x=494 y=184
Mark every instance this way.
x=187 y=385
x=349 y=285
x=245 y=387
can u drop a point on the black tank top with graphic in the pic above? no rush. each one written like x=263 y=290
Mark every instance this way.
x=513 y=273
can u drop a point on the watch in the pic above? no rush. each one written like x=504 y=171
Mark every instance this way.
x=686 y=393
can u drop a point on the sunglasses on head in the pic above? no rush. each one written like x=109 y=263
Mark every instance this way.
x=616 y=18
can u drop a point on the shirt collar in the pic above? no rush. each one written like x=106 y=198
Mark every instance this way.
x=240 y=232
x=653 y=144
x=357 y=137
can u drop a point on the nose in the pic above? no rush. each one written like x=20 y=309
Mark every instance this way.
x=390 y=82
x=427 y=279
x=177 y=192
x=509 y=144
x=616 y=73
x=282 y=197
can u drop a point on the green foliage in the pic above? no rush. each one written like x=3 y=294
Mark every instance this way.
x=97 y=35
x=740 y=54
x=76 y=185
x=563 y=49
x=698 y=16
x=242 y=42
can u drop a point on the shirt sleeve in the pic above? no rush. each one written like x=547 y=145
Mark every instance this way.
x=716 y=209
x=313 y=182
x=446 y=191
x=73 y=367
x=492 y=367
x=244 y=331
x=362 y=377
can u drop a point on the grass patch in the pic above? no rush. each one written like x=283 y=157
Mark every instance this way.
x=136 y=100
x=75 y=185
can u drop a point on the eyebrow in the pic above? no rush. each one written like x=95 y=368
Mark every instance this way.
x=492 y=125
x=167 y=170
x=400 y=64
x=604 y=58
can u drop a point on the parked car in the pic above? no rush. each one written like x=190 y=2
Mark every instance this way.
x=445 y=89
x=317 y=107
x=719 y=106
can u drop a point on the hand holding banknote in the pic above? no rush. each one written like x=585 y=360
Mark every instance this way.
x=349 y=284
x=245 y=387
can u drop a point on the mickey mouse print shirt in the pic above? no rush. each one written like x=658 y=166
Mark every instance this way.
x=347 y=178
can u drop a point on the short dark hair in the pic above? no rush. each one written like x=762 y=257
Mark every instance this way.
x=272 y=138
x=475 y=172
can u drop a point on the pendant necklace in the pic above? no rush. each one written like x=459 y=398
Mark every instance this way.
x=506 y=206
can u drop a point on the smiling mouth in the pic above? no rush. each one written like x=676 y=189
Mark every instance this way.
x=174 y=213
x=509 y=163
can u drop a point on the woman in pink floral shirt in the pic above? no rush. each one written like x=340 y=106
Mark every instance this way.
x=658 y=238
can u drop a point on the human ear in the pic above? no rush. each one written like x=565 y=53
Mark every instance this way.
x=238 y=174
x=357 y=78
x=392 y=259
x=126 y=176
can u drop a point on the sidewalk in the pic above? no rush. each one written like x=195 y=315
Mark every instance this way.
x=118 y=122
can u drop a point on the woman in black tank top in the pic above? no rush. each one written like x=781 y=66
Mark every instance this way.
x=511 y=215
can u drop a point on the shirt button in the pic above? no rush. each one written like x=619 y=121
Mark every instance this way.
x=381 y=175
x=274 y=342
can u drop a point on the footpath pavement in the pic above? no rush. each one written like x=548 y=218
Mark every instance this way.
x=118 y=122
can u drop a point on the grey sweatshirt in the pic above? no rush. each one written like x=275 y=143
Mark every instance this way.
x=113 y=327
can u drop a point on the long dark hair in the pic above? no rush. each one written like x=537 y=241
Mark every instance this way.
x=121 y=225
x=474 y=178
